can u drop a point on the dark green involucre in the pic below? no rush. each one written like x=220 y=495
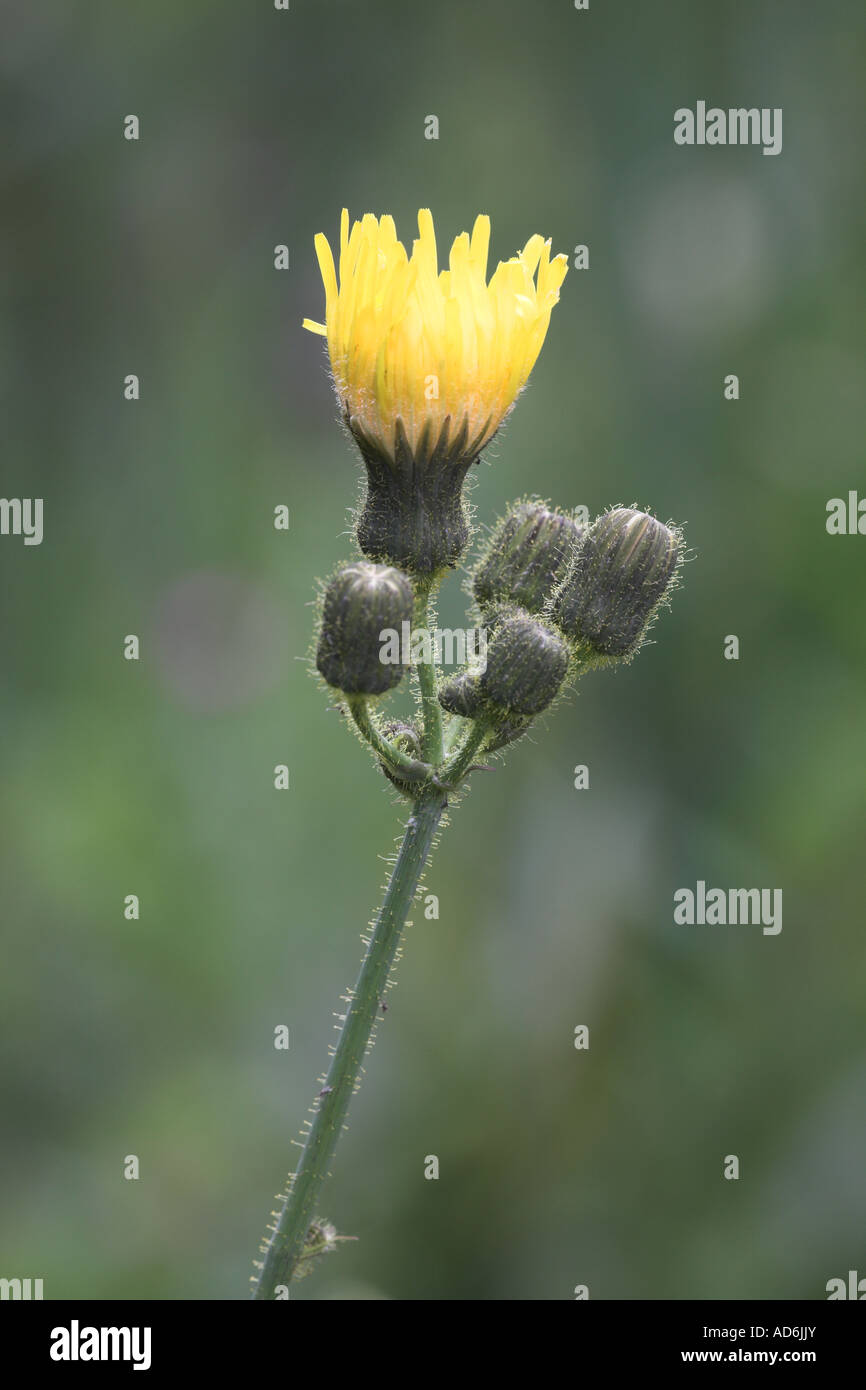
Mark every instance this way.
x=414 y=514
x=363 y=603
x=462 y=695
x=528 y=556
x=622 y=568
x=527 y=662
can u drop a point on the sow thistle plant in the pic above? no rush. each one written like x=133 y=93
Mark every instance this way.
x=426 y=366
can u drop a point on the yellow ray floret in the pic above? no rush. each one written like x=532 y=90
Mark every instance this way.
x=410 y=342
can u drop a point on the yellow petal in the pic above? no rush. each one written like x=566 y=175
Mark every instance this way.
x=410 y=342
x=326 y=266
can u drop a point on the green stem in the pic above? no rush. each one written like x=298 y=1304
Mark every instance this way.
x=285 y=1244
x=451 y=771
x=452 y=729
x=431 y=710
x=395 y=757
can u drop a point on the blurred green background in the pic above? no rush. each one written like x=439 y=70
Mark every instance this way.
x=556 y=906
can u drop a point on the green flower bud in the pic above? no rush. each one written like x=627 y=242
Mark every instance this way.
x=408 y=740
x=528 y=556
x=462 y=695
x=526 y=665
x=507 y=731
x=623 y=566
x=405 y=736
x=362 y=602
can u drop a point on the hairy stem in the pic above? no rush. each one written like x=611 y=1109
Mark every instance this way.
x=453 y=726
x=431 y=710
x=397 y=760
x=452 y=770
x=284 y=1246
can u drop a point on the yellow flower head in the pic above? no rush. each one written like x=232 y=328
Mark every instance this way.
x=430 y=359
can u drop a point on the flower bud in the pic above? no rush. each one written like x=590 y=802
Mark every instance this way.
x=526 y=665
x=507 y=731
x=363 y=602
x=408 y=739
x=623 y=566
x=529 y=554
x=462 y=695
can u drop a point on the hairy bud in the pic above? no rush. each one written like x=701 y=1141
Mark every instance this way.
x=622 y=568
x=526 y=665
x=361 y=602
x=462 y=695
x=528 y=555
x=507 y=731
